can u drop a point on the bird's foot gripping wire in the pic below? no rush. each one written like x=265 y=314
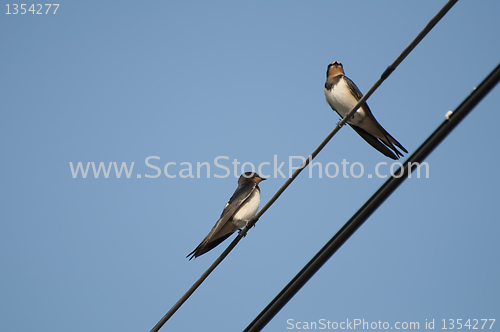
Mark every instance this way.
x=251 y=222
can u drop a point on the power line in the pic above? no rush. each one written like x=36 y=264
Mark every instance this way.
x=252 y=222
x=374 y=202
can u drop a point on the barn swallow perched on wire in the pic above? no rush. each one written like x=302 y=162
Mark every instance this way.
x=342 y=94
x=240 y=209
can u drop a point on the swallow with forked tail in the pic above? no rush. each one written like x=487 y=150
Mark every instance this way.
x=342 y=95
x=240 y=209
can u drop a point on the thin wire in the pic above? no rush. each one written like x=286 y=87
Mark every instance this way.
x=191 y=290
x=373 y=203
x=252 y=222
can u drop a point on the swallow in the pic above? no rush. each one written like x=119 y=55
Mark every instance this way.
x=342 y=94
x=240 y=209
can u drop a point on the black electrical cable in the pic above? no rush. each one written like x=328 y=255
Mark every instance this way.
x=374 y=202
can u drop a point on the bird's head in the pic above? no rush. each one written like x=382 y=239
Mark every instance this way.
x=248 y=177
x=334 y=69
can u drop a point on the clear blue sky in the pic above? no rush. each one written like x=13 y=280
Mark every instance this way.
x=190 y=81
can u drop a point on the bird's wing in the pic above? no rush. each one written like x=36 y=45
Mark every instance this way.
x=355 y=91
x=209 y=242
x=386 y=138
x=373 y=141
x=240 y=195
